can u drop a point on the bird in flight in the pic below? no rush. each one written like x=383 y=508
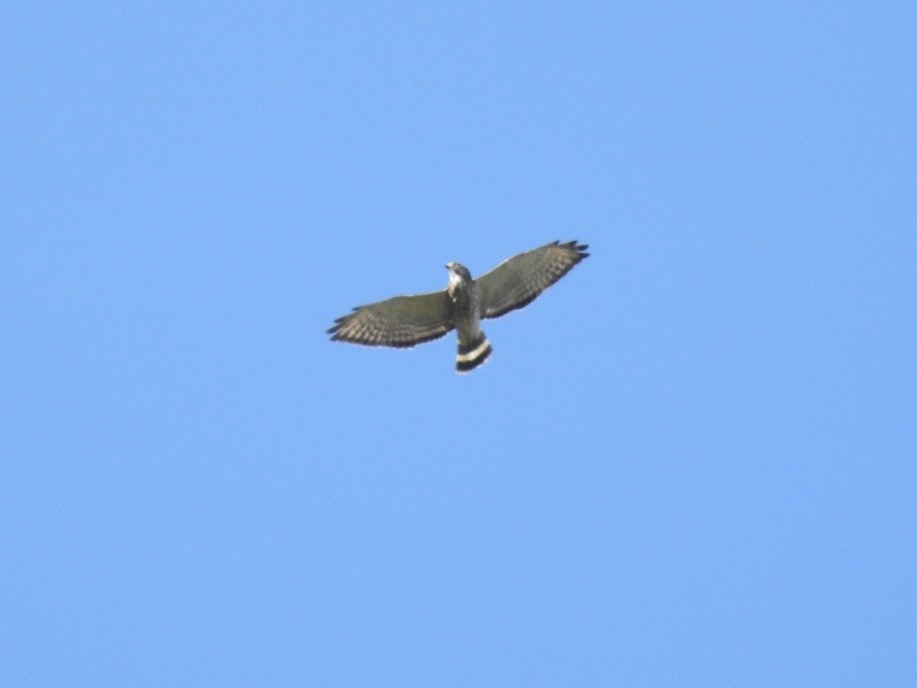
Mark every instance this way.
x=404 y=321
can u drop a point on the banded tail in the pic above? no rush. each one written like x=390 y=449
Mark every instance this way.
x=471 y=355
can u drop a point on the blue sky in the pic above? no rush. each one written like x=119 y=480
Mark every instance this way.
x=691 y=462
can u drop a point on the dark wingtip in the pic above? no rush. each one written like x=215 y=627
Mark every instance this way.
x=336 y=328
x=579 y=248
x=339 y=323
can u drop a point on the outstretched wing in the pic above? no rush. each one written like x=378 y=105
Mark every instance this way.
x=402 y=321
x=517 y=281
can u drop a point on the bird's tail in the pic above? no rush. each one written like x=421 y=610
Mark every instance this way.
x=472 y=354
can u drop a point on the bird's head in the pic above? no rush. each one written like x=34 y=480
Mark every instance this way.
x=458 y=273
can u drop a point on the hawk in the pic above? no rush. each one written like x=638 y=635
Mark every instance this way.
x=404 y=321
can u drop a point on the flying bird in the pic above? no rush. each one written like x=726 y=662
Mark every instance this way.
x=404 y=321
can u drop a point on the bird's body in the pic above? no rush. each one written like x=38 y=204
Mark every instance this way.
x=466 y=303
x=404 y=321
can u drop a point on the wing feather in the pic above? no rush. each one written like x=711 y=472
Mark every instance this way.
x=516 y=281
x=402 y=321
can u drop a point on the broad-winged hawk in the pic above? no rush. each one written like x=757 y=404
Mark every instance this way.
x=404 y=321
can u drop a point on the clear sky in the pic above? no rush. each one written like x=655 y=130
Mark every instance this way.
x=692 y=462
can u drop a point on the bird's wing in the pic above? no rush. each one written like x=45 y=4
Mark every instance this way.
x=517 y=281
x=402 y=321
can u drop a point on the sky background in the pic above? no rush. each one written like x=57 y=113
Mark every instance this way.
x=691 y=462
